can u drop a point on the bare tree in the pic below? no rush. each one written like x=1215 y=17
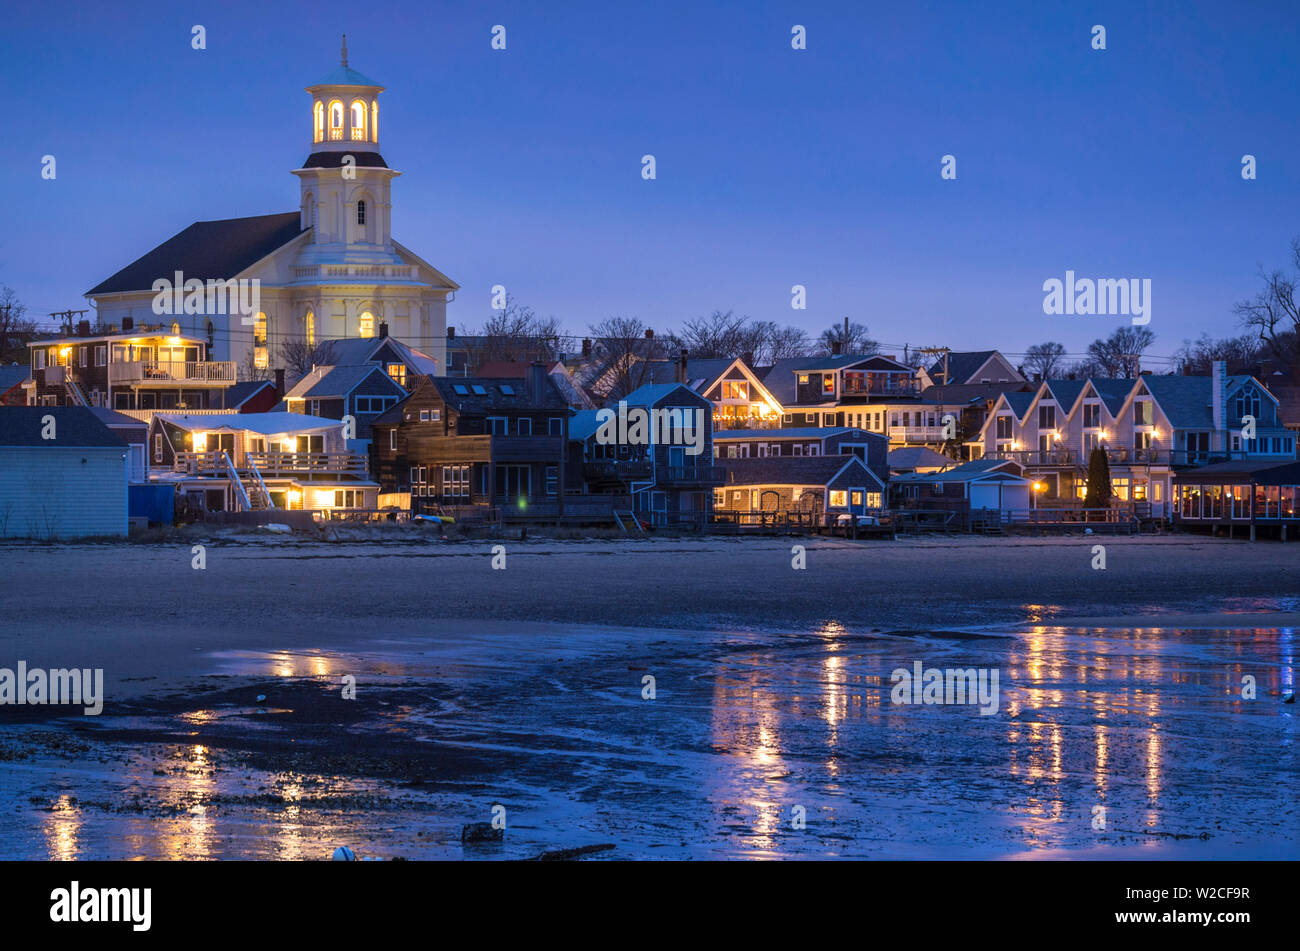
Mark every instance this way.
x=249 y=370
x=623 y=356
x=15 y=329
x=1120 y=354
x=787 y=342
x=1044 y=359
x=516 y=333
x=1242 y=354
x=299 y=356
x=858 y=340
x=1273 y=314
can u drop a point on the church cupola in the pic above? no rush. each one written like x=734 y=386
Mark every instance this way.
x=345 y=183
x=345 y=110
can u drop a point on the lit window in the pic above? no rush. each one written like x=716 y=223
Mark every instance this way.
x=309 y=329
x=336 y=121
x=260 y=358
x=366 y=325
x=839 y=498
x=176 y=328
x=318 y=122
x=358 y=121
x=374 y=120
x=397 y=373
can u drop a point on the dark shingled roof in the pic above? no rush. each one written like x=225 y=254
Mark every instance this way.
x=207 y=250
x=494 y=399
x=335 y=160
x=233 y=397
x=11 y=376
x=961 y=366
x=789 y=470
x=75 y=427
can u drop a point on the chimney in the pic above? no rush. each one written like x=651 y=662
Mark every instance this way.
x=1218 y=396
x=681 y=367
x=586 y=347
x=279 y=383
x=451 y=333
x=837 y=347
x=649 y=334
x=748 y=358
x=536 y=381
x=383 y=329
x=128 y=324
x=83 y=328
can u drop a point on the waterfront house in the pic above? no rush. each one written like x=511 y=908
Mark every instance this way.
x=816 y=485
x=362 y=392
x=63 y=474
x=14 y=383
x=237 y=462
x=1240 y=497
x=981 y=484
x=655 y=468
x=871 y=448
x=146 y=368
x=476 y=442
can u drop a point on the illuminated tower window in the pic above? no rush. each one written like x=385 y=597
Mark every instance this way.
x=366 y=325
x=358 y=121
x=261 y=359
x=336 y=121
x=374 y=120
x=318 y=122
x=309 y=328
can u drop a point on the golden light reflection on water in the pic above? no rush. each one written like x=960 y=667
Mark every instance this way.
x=61 y=827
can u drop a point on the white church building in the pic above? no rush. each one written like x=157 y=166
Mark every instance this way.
x=329 y=270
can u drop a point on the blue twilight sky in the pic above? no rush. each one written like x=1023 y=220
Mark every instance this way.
x=775 y=167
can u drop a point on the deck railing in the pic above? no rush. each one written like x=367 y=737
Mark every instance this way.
x=167 y=372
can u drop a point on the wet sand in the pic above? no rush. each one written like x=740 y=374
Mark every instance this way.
x=524 y=687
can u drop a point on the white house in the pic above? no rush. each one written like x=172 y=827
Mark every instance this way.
x=328 y=270
x=63 y=474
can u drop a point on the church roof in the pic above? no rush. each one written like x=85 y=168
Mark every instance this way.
x=345 y=76
x=335 y=160
x=216 y=250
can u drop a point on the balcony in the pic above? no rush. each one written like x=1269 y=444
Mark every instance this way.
x=881 y=388
x=309 y=464
x=693 y=475
x=1123 y=455
x=171 y=373
x=911 y=435
x=526 y=448
x=293 y=464
x=616 y=470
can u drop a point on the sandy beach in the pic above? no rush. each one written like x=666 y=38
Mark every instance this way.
x=524 y=687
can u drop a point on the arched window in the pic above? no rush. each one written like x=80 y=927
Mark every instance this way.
x=358 y=120
x=336 y=121
x=260 y=356
x=366 y=325
x=309 y=328
x=318 y=121
x=374 y=120
x=361 y=212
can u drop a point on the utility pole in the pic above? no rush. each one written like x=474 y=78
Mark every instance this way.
x=935 y=351
x=68 y=315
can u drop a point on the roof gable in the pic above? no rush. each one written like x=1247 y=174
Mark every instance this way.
x=206 y=250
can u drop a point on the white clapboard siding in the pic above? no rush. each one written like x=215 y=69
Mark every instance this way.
x=50 y=492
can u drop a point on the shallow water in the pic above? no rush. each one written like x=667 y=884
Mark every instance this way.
x=747 y=734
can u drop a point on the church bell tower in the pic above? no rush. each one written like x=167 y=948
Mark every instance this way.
x=345 y=183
